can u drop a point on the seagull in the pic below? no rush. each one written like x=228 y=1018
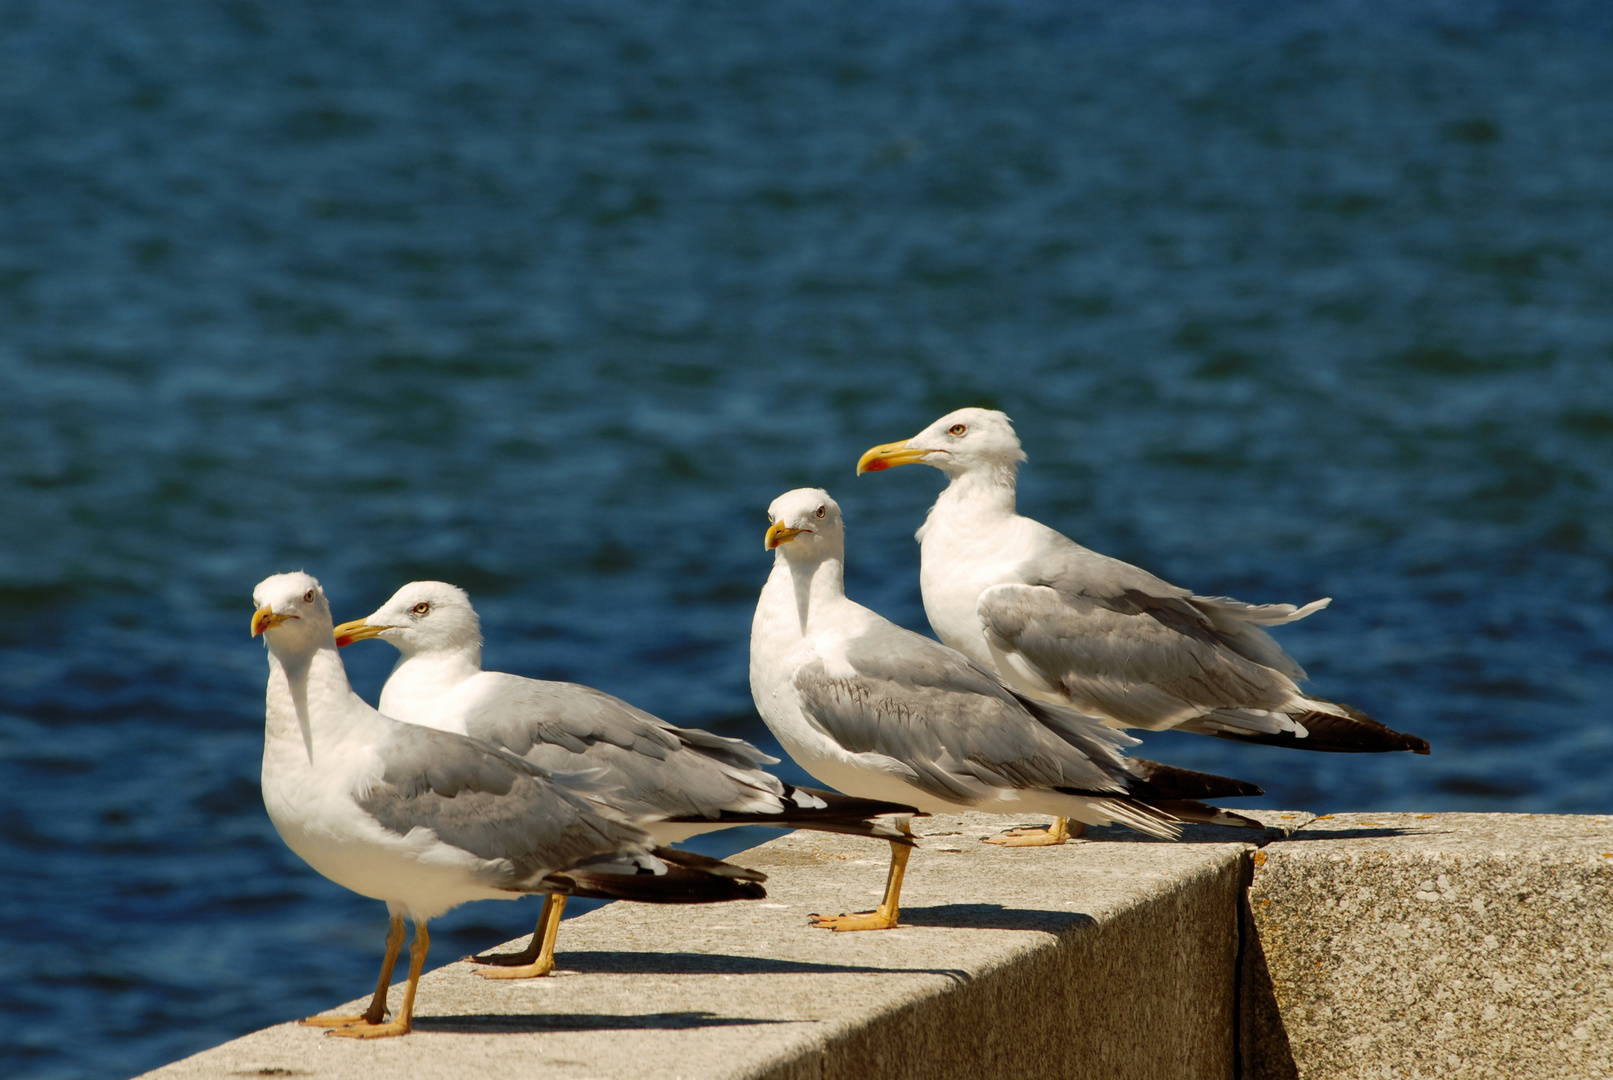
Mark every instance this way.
x=882 y=712
x=427 y=820
x=1065 y=624
x=691 y=780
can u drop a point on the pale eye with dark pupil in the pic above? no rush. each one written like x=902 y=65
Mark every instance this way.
x=421 y=608
x=956 y=429
x=820 y=511
x=308 y=597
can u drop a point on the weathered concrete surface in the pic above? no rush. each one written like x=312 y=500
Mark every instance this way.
x=1115 y=958
x=1422 y=945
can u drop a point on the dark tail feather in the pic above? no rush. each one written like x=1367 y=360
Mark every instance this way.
x=689 y=879
x=838 y=814
x=1355 y=733
x=1155 y=782
x=692 y=860
x=1202 y=813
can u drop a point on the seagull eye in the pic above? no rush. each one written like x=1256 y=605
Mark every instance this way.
x=308 y=597
x=957 y=429
x=421 y=608
x=820 y=511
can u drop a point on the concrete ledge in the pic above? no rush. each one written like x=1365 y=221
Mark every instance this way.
x=1361 y=945
x=1111 y=958
x=1420 y=945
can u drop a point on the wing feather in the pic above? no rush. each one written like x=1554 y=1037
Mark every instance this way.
x=948 y=726
x=1144 y=660
x=493 y=804
x=658 y=770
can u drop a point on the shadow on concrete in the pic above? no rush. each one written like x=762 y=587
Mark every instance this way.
x=1312 y=833
x=525 y=1024
x=993 y=917
x=1191 y=834
x=1263 y=1050
x=685 y=963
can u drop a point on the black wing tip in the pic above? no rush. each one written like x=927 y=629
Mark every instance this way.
x=812 y=821
x=1197 y=813
x=679 y=885
x=690 y=878
x=1402 y=744
x=844 y=814
x=1353 y=733
x=705 y=864
x=1402 y=741
x=1169 y=782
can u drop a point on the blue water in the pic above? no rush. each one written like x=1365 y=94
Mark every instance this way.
x=551 y=300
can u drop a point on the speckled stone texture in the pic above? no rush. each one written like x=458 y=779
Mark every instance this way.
x=1108 y=960
x=1421 y=945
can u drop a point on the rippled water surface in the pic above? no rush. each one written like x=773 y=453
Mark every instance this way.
x=551 y=300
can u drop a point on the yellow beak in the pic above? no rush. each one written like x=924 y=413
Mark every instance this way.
x=266 y=618
x=780 y=533
x=357 y=630
x=883 y=457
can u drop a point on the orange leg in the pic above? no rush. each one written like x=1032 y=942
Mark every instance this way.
x=377 y=1010
x=883 y=917
x=538 y=957
x=374 y=1029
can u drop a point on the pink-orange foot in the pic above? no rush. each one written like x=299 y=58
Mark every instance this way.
x=1059 y=832
x=516 y=971
x=363 y=1030
x=332 y=1021
x=865 y=920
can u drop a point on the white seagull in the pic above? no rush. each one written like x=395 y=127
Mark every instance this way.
x=427 y=820
x=879 y=711
x=1066 y=624
x=691 y=780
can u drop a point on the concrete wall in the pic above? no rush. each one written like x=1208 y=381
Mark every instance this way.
x=1354 y=947
x=1422 y=945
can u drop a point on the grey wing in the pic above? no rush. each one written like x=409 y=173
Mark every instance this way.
x=1074 y=572
x=494 y=805
x=1120 y=642
x=952 y=728
x=657 y=770
x=1239 y=625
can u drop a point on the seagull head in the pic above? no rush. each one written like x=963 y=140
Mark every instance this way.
x=959 y=442
x=804 y=525
x=421 y=617
x=292 y=612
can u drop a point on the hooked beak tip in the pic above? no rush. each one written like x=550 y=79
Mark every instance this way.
x=266 y=618
x=887 y=455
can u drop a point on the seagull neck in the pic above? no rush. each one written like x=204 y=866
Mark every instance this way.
x=989 y=490
x=445 y=665
x=421 y=676
x=819 y=586
x=310 y=701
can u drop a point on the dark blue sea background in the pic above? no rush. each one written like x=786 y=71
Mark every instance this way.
x=550 y=301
